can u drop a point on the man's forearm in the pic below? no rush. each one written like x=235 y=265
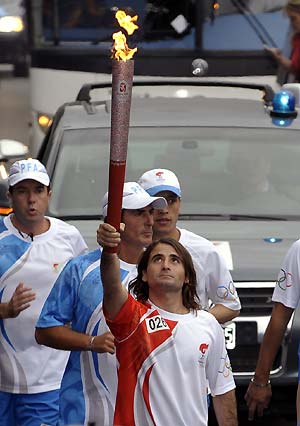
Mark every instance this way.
x=223 y=314
x=114 y=293
x=62 y=337
x=272 y=339
x=259 y=391
x=285 y=62
x=4 y=310
x=225 y=409
x=110 y=273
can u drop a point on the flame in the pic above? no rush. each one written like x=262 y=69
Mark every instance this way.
x=126 y=21
x=120 y=50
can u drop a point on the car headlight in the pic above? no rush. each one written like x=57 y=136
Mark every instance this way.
x=9 y=24
x=44 y=121
x=3 y=172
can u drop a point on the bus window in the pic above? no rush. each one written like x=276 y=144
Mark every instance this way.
x=245 y=25
x=94 y=20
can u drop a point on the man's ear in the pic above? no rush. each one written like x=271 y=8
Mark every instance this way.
x=144 y=276
x=8 y=196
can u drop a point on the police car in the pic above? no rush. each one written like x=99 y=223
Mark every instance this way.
x=235 y=149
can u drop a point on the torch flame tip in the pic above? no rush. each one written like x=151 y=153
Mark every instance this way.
x=120 y=50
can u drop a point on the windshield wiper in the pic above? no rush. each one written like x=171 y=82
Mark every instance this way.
x=254 y=217
x=80 y=217
x=228 y=217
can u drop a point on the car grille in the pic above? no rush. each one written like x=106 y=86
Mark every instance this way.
x=256 y=298
x=256 y=301
x=244 y=358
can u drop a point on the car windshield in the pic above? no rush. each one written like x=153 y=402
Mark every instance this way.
x=223 y=171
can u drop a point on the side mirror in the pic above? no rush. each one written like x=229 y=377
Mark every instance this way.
x=10 y=149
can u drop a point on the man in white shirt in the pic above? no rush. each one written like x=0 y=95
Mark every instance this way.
x=88 y=389
x=286 y=297
x=214 y=281
x=167 y=347
x=33 y=249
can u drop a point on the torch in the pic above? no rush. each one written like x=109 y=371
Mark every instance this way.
x=122 y=76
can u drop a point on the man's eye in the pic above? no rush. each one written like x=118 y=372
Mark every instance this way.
x=171 y=201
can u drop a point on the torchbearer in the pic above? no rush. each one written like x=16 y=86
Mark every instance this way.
x=122 y=76
x=166 y=346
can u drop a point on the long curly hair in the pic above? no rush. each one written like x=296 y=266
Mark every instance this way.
x=140 y=288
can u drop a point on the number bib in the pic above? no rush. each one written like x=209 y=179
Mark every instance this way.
x=156 y=323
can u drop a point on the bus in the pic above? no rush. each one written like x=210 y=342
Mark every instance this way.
x=70 y=44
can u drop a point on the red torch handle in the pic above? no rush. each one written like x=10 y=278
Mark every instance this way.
x=122 y=76
x=115 y=192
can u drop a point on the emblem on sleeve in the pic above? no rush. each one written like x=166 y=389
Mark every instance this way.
x=284 y=280
x=227 y=292
x=225 y=366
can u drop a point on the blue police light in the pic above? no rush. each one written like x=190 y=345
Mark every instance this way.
x=283 y=106
x=284 y=111
x=273 y=240
x=282 y=121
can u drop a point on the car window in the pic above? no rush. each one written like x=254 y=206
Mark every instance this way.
x=222 y=170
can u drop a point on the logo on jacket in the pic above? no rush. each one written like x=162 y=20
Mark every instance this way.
x=202 y=349
x=57 y=267
x=284 y=280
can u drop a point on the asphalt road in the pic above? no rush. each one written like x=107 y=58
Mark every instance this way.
x=14 y=124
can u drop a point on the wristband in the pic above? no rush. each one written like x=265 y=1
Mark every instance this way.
x=90 y=344
x=260 y=385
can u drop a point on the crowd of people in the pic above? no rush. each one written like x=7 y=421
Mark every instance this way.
x=127 y=334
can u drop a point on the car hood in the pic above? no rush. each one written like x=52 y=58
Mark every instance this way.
x=245 y=245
